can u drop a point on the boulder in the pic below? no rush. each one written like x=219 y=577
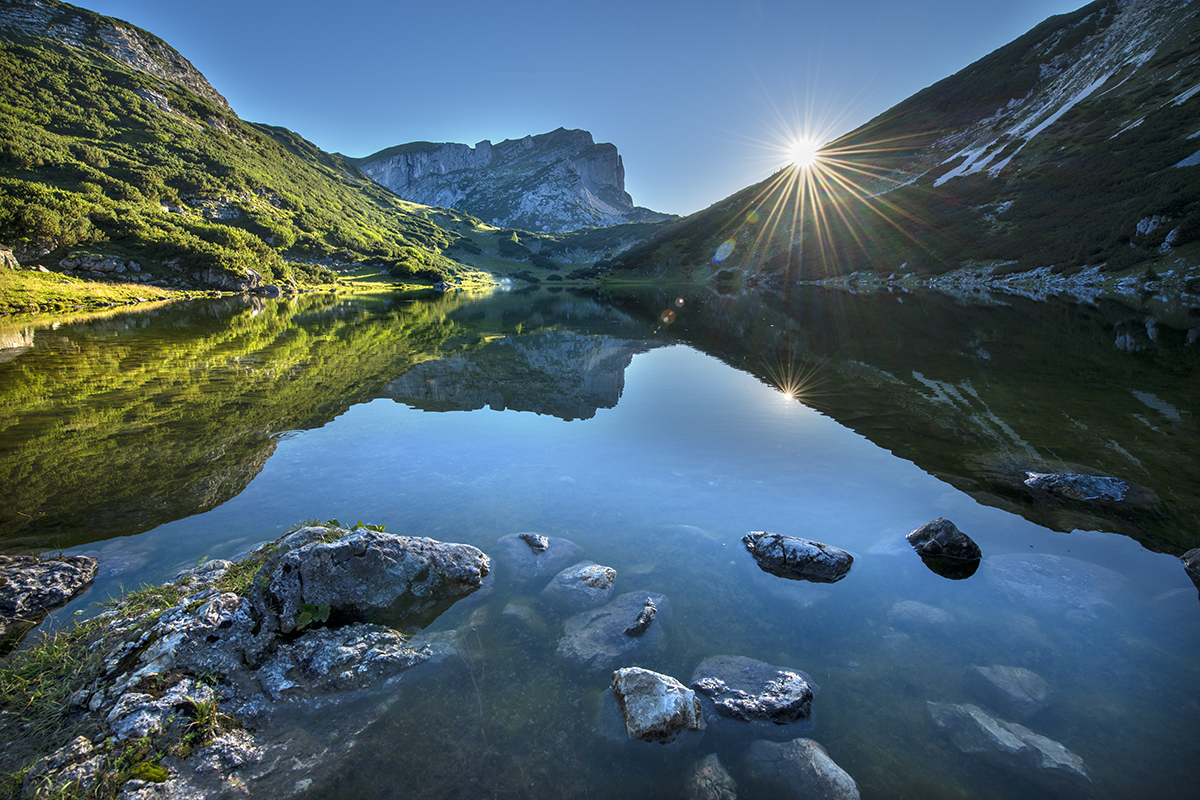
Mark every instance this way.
x=796 y=558
x=1074 y=486
x=364 y=574
x=7 y=259
x=271 y=291
x=1014 y=747
x=942 y=539
x=31 y=587
x=709 y=780
x=736 y=690
x=1191 y=565
x=584 y=585
x=917 y=617
x=799 y=769
x=1016 y=692
x=528 y=556
x=596 y=638
x=655 y=707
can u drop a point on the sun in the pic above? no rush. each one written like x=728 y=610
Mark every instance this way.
x=804 y=153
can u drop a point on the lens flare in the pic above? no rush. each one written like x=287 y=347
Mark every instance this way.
x=805 y=153
x=724 y=251
x=667 y=317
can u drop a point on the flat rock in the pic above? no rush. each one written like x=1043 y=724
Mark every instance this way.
x=596 y=638
x=799 y=769
x=528 y=556
x=916 y=617
x=1016 y=692
x=1011 y=746
x=1074 y=486
x=584 y=585
x=363 y=574
x=655 y=707
x=1054 y=583
x=709 y=780
x=31 y=587
x=797 y=559
x=941 y=538
x=736 y=690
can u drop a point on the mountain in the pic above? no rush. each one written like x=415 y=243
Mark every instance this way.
x=112 y=143
x=558 y=181
x=1072 y=152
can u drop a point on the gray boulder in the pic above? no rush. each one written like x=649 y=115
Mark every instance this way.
x=737 y=690
x=941 y=538
x=799 y=769
x=1191 y=565
x=31 y=587
x=528 y=556
x=596 y=638
x=1016 y=692
x=365 y=574
x=655 y=707
x=1014 y=747
x=796 y=558
x=915 y=617
x=1055 y=584
x=584 y=585
x=1073 y=486
x=709 y=780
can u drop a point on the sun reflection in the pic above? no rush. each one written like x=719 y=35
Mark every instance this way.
x=796 y=381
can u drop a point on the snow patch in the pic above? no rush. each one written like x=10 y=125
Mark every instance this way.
x=1188 y=95
x=1191 y=161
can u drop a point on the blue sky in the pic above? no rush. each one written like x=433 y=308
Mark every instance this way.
x=698 y=96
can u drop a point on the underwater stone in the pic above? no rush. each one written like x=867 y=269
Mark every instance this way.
x=742 y=689
x=799 y=769
x=1015 y=691
x=1053 y=583
x=655 y=707
x=521 y=561
x=584 y=585
x=1014 y=747
x=595 y=638
x=941 y=538
x=914 y=616
x=1073 y=486
x=797 y=559
x=709 y=780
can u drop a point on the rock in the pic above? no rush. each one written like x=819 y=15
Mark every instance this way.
x=271 y=291
x=1191 y=565
x=709 y=780
x=1014 y=747
x=644 y=618
x=1016 y=692
x=915 y=617
x=656 y=707
x=545 y=556
x=137 y=715
x=70 y=771
x=736 y=690
x=799 y=769
x=31 y=587
x=584 y=585
x=943 y=540
x=797 y=559
x=1073 y=486
x=366 y=573
x=1054 y=583
x=7 y=259
x=595 y=638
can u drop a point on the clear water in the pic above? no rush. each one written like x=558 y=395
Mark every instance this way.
x=661 y=486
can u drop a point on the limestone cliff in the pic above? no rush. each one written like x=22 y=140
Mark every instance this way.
x=557 y=181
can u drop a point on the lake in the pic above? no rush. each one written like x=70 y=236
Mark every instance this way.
x=654 y=429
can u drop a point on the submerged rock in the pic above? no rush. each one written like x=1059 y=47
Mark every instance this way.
x=1014 y=747
x=655 y=707
x=918 y=617
x=364 y=573
x=528 y=556
x=796 y=558
x=742 y=690
x=1055 y=583
x=1014 y=691
x=1074 y=486
x=941 y=539
x=596 y=638
x=709 y=780
x=584 y=585
x=31 y=587
x=799 y=769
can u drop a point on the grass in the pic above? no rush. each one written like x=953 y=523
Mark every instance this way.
x=30 y=292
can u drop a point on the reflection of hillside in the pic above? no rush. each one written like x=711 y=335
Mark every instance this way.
x=978 y=394
x=560 y=373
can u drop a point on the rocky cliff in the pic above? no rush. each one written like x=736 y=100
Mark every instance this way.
x=557 y=181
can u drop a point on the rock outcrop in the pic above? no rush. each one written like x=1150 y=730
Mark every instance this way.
x=796 y=558
x=31 y=587
x=557 y=181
